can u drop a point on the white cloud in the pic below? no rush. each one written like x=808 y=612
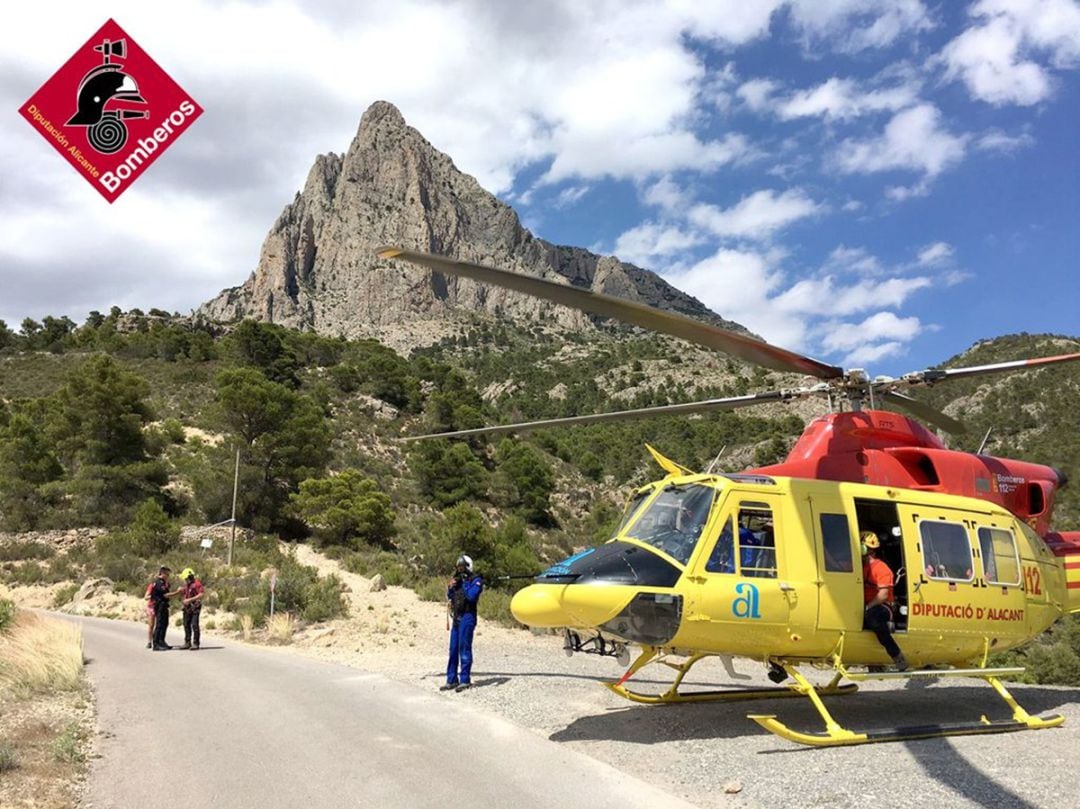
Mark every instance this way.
x=997 y=57
x=913 y=140
x=756 y=216
x=825 y=296
x=854 y=260
x=857 y=25
x=935 y=254
x=649 y=241
x=757 y=93
x=666 y=195
x=570 y=196
x=998 y=141
x=845 y=337
x=842 y=99
x=899 y=193
x=739 y=285
x=866 y=355
x=811 y=314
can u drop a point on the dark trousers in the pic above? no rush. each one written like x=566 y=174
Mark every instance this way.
x=876 y=619
x=191 y=626
x=461 y=636
x=161 y=622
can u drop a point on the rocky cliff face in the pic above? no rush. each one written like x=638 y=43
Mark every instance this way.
x=318 y=270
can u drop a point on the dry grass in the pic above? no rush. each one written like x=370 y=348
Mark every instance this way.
x=281 y=627
x=40 y=655
x=247 y=623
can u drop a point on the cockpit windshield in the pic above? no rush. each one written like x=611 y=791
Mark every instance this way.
x=673 y=521
x=631 y=509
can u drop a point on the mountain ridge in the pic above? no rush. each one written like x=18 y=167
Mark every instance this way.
x=318 y=271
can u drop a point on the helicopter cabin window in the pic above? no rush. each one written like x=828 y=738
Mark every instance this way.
x=1000 y=560
x=946 y=550
x=674 y=520
x=836 y=540
x=754 y=554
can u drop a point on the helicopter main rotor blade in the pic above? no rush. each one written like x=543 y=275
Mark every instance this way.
x=686 y=408
x=659 y=320
x=929 y=377
x=929 y=414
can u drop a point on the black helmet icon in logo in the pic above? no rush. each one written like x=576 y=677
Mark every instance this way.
x=104 y=84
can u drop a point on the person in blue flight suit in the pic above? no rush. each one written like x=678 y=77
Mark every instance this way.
x=462 y=595
x=722 y=559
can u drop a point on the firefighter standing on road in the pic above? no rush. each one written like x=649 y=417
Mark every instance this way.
x=159 y=597
x=462 y=595
x=192 y=593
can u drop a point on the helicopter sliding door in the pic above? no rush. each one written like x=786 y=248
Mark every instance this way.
x=840 y=596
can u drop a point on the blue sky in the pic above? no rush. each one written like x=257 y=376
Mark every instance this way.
x=877 y=183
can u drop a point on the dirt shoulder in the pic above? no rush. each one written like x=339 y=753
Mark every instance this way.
x=46 y=726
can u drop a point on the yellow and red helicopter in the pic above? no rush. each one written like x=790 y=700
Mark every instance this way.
x=766 y=564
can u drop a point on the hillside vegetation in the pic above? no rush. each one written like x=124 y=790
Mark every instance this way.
x=132 y=422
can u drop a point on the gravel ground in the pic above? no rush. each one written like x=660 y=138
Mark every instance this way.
x=697 y=751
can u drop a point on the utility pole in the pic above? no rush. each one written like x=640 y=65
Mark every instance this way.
x=235 y=486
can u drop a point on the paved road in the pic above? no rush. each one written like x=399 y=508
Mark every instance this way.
x=242 y=727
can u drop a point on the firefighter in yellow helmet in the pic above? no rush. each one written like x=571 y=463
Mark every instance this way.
x=191 y=593
x=878 y=581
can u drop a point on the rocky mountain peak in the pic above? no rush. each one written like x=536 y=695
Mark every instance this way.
x=317 y=269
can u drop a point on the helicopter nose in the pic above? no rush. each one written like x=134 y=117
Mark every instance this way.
x=559 y=605
x=538 y=605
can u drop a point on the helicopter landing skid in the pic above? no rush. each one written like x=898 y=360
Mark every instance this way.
x=836 y=735
x=650 y=654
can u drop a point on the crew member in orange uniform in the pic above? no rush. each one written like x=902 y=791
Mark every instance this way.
x=878 y=595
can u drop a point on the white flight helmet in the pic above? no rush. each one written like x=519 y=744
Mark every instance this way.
x=466 y=561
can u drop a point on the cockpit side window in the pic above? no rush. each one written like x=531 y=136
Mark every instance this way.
x=754 y=553
x=674 y=519
x=757 y=543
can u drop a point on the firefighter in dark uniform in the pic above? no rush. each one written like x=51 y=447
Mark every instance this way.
x=462 y=595
x=159 y=597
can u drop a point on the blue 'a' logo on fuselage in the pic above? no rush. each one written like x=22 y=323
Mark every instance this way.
x=746 y=605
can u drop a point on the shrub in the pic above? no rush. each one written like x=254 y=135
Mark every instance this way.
x=280 y=626
x=68 y=746
x=8 y=759
x=174 y=431
x=64 y=595
x=494 y=606
x=324 y=600
x=344 y=509
x=432 y=589
x=358 y=563
x=29 y=573
x=20 y=549
x=150 y=534
x=7 y=613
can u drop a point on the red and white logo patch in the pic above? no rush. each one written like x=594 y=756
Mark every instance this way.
x=111 y=111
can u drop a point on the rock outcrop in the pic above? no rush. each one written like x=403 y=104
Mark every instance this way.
x=318 y=270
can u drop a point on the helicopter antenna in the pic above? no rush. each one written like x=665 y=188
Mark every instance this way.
x=986 y=438
x=715 y=460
